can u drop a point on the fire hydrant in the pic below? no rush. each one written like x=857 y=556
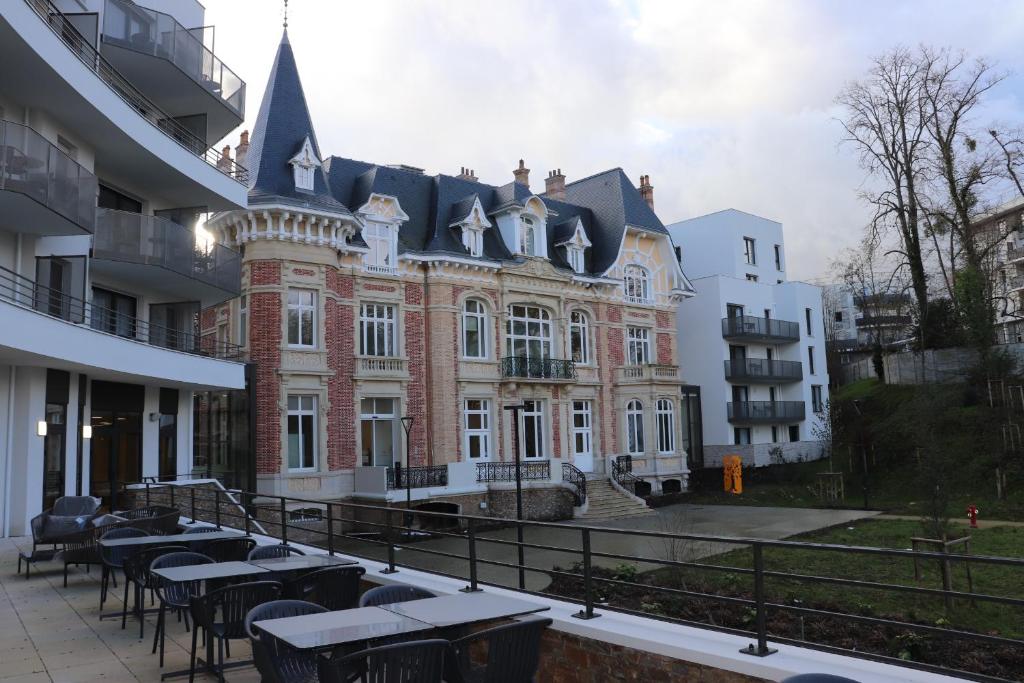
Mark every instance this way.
x=972 y=514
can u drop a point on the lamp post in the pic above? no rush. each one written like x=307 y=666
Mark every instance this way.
x=407 y=426
x=519 y=492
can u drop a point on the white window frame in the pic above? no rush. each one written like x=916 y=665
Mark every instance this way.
x=243 y=320
x=303 y=310
x=479 y=407
x=533 y=413
x=374 y=417
x=574 y=256
x=373 y=319
x=584 y=409
x=473 y=240
x=480 y=316
x=750 y=251
x=579 y=326
x=300 y=411
x=304 y=177
x=665 y=419
x=636 y=284
x=528 y=315
x=381 y=238
x=528 y=235
x=635 y=427
x=638 y=345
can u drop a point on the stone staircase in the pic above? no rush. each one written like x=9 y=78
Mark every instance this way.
x=607 y=502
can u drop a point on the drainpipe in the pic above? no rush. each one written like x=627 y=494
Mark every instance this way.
x=8 y=448
x=428 y=423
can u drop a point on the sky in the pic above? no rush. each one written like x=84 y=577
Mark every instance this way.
x=723 y=104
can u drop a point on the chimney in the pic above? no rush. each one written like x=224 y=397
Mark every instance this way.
x=467 y=174
x=242 y=150
x=554 y=185
x=647 y=190
x=224 y=163
x=522 y=174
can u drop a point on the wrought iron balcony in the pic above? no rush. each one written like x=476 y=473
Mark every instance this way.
x=752 y=328
x=766 y=411
x=506 y=471
x=417 y=477
x=154 y=33
x=538 y=368
x=32 y=168
x=152 y=240
x=763 y=370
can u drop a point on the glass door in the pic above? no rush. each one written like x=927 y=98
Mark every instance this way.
x=582 y=435
x=54 y=453
x=116 y=453
x=377 y=427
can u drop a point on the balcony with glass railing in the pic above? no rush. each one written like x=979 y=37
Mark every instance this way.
x=766 y=412
x=143 y=31
x=753 y=328
x=756 y=370
x=198 y=270
x=42 y=189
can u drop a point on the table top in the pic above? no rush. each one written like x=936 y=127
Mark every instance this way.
x=172 y=539
x=295 y=562
x=328 y=629
x=463 y=608
x=201 y=572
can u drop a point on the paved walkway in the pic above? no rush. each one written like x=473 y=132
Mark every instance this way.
x=49 y=633
x=982 y=523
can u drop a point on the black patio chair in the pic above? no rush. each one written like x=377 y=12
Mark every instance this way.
x=392 y=593
x=113 y=558
x=513 y=654
x=221 y=614
x=174 y=595
x=276 y=661
x=269 y=552
x=201 y=530
x=417 y=661
x=81 y=549
x=333 y=587
x=136 y=572
x=68 y=518
x=229 y=549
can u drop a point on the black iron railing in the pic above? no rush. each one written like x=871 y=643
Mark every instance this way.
x=23 y=292
x=766 y=411
x=764 y=370
x=748 y=607
x=165 y=123
x=418 y=477
x=538 y=368
x=622 y=473
x=506 y=471
x=883 y=320
x=31 y=165
x=752 y=327
x=153 y=240
x=577 y=480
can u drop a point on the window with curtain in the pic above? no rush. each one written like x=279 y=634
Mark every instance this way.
x=302 y=432
x=635 y=427
x=638 y=345
x=377 y=330
x=301 y=317
x=474 y=329
x=666 y=419
x=637 y=282
x=579 y=337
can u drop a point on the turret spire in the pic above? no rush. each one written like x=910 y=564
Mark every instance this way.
x=285 y=15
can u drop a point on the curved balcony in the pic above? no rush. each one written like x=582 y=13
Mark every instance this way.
x=752 y=328
x=755 y=370
x=540 y=369
x=765 y=412
x=164 y=254
x=42 y=189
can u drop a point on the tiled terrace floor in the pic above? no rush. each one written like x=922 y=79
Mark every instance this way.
x=52 y=633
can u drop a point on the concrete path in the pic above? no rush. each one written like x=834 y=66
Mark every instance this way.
x=982 y=523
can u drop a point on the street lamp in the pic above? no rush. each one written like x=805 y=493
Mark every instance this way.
x=407 y=426
x=519 y=492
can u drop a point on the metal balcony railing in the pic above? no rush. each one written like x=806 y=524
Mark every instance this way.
x=417 y=477
x=506 y=471
x=763 y=369
x=538 y=368
x=90 y=56
x=144 y=30
x=752 y=327
x=23 y=292
x=153 y=240
x=882 y=320
x=33 y=166
x=766 y=411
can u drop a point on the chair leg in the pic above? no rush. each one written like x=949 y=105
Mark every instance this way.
x=192 y=658
x=124 y=608
x=220 y=659
x=227 y=647
x=104 y=577
x=159 y=624
x=142 y=613
x=65 y=574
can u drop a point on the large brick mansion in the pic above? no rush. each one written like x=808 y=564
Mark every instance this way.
x=372 y=293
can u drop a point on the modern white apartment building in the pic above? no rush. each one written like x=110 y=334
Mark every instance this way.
x=108 y=111
x=751 y=339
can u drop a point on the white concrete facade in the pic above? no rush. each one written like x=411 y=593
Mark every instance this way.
x=111 y=383
x=768 y=367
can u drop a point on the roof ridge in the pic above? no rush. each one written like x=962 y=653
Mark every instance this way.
x=600 y=173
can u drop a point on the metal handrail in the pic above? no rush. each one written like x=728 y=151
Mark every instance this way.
x=21 y=291
x=764 y=368
x=538 y=368
x=766 y=410
x=418 y=477
x=622 y=473
x=331 y=535
x=165 y=123
x=575 y=477
x=506 y=471
x=764 y=328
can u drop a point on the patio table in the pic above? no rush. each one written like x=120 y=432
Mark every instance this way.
x=171 y=539
x=329 y=629
x=205 y=572
x=301 y=562
x=463 y=609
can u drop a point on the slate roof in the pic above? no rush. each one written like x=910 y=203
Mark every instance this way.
x=606 y=202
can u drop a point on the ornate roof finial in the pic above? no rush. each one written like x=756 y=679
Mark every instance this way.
x=285 y=15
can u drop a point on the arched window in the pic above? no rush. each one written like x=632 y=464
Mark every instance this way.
x=474 y=329
x=635 y=427
x=528 y=243
x=528 y=332
x=637 y=282
x=579 y=337
x=666 y=419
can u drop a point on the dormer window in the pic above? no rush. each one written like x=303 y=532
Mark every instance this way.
x=473 y=240
x=382 y=240
x=574 y=255
x=528 y=237
x=472 y=226
x=576 y=246
x=304 y=165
